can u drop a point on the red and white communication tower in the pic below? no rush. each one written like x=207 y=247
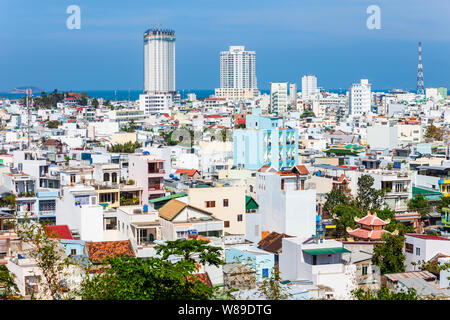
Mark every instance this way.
x=420 y=88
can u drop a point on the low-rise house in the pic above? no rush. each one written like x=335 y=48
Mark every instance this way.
x=238 y=275
x=179 y=220
x=423 y=247
x=259 y=260
x=319 y=262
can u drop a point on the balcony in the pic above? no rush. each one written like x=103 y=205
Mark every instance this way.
x=156 y=173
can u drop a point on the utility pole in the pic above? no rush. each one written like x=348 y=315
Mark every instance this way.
x=29 y=101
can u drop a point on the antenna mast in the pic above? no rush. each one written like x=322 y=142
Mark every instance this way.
x=420 y=86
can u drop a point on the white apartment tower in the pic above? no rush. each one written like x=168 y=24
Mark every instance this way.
x=293 y=93
x=237 y=73
x=360 y=97
x=159 y=60
x=309 y=87
x=159 y=71
x=278 y=97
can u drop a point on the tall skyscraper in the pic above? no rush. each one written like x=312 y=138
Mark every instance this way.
x=292 y=93
x=159 y=71
x=237 y=73
x=360 y=98
x=159 y=56
x=309 y=87
x=278 y=97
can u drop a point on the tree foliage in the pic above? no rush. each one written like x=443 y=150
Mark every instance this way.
x=434 y=133
x=368 y=198
x=127 y=147
x=419 y=204
x=8 y=287
x=53 y=124
x=129 y=278
x=334 y=198
x=385 y=294
x=389 y=256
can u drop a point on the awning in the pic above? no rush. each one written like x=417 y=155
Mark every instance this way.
x=315 y=252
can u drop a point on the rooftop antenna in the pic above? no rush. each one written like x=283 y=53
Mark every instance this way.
x=28 y=101
x=420 y=86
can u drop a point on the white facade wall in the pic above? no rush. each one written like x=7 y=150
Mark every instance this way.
x=238 y=68
x=309 y=87
x=159 y=61
x=360 y=98
x=428 y=248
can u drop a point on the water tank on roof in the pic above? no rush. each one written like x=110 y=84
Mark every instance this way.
x=146 y=153
x=171 y=175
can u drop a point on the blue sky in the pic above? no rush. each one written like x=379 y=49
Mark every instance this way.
x=328 y=38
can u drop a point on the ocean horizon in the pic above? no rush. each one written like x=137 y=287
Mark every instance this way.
x=132 y=95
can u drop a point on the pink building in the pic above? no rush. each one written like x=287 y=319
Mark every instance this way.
x=148 y=173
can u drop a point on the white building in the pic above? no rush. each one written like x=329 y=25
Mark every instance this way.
x=293 y=93
x=278 y=97
x=423 y=247
x=287 y=201
x=360 y=97
x=238 y=68
x=159 y=61
x=79 y=209
x=321 y=263
x=155 y=103
x=309 y=87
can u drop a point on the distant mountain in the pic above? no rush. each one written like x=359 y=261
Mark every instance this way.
x=24 y=90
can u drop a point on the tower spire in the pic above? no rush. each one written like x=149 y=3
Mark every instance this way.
x=420 y=86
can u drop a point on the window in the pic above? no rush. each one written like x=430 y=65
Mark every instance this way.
x=417 y=251
x=114 y=177
x=106 y=176
x=225 y=202
x=226 y=224
x=364 y=270
x=81 y=200
x=239 y=217
x=210 y=204
x=72 y=178
x=73 y=252
x=409 y=247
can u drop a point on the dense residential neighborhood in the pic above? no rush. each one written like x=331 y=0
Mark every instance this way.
x=242 y=193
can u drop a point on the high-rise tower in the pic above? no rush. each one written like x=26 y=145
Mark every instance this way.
x=420 y=86
x=237 y=73
x=159 y=61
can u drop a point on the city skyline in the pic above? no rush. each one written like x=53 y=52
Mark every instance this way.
x=339 y=53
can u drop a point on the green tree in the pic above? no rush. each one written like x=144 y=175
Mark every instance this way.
x=54 y=124
x=49 y=257
x=8 y=287
x=127 y=147
x=307 y=114
x=368 y=198
x=443 y=203
x=95 y=103
x=129 y=278
x=272 y=287
x=385 y=294
x=344 y=218
x=434 y=133
x=334 y=198
x=420 y=204
x=389 y=256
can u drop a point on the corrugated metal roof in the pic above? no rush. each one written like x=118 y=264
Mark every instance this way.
x=413 y=274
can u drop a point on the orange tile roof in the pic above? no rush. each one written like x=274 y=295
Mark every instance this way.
x=104 y=249
x=202 y=277
x=367 y=234
x=371 y=220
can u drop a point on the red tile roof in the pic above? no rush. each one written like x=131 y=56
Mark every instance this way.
x=202 y=277
x=104 y=249
x=58 y=231
x=367 y=234
x=426 y=236
x=302 y=169
x=371 y=220
x=190 y=172
x=272 y=242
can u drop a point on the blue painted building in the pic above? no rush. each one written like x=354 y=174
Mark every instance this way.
x=46 y=205
x=263 y=142
x=259 y=260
